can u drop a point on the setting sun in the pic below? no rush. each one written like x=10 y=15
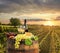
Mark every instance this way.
x=49 y=23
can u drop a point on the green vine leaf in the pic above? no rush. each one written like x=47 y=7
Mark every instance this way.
x=28 y=42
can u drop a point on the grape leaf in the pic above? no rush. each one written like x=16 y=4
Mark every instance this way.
x=28 y=42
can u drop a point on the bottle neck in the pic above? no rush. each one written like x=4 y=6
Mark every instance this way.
x=25 y=23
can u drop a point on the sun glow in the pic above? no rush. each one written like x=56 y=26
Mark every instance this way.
x=49 y=23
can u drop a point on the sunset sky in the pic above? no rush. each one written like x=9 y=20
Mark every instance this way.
x=32 y=9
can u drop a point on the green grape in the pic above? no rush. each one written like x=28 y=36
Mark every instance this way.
x=17 y=42
x=16 y=46
x=36 y=38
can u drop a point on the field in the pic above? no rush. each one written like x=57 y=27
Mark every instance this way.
x=49 y=37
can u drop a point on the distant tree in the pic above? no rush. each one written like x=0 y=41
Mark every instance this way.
x=15 y=21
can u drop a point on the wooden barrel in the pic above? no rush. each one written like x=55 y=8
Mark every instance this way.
x=34 y=48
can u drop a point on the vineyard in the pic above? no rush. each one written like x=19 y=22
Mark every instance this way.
x=49 y=37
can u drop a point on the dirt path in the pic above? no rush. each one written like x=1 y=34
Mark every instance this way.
x=52 y=44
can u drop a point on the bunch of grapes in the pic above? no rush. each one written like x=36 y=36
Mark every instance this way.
x=10 y=35
x=18 y=39
x=22 y=39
